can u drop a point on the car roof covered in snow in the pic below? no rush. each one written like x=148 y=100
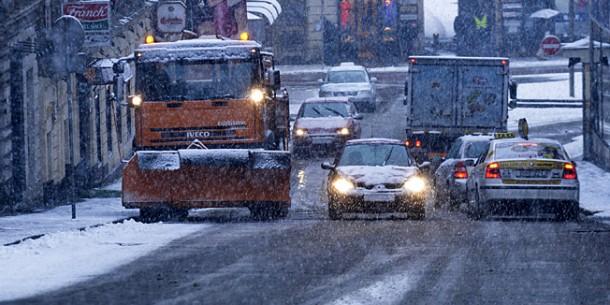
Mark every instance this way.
x=347 y=66
x=338 y=99
x=374 y=141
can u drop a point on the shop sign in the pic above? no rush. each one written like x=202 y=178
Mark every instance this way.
x=94 y=16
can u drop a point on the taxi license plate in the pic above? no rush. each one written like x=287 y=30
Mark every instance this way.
x=379 y=197
x=531 y=173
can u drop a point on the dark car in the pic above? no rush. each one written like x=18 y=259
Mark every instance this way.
x=324 y=123
x=450 y=176
x=375 y=176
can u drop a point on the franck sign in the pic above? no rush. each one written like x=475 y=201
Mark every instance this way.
x=95 y=19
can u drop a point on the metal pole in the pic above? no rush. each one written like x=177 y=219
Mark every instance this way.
x=571 y=39
x=71 y=148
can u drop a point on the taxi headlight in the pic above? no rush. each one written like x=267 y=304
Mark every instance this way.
x=257 y=95
x=343 y=185
x=343 y=131
x=135 y=101
x=300 y=132
x=415 y=184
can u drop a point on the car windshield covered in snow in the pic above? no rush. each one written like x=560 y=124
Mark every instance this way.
x=318 y=110
x=346 y=77
x=519 y=150
x=375 y=155
x=195 y=80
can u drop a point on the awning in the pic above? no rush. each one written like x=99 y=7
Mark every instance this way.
x=270 y=9
x=100 y=71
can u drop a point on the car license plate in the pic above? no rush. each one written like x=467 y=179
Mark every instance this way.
x=379 y=197
x=322 y=140
x=531 y=173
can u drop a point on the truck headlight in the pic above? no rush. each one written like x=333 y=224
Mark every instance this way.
x=415 y=184
x=343 y=185
x=257 y=95
x=343 y=131
x=135 y=100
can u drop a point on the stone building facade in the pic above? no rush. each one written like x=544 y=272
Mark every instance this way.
x=35 y=123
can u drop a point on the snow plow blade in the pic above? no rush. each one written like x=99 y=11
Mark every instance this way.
x=215 y=178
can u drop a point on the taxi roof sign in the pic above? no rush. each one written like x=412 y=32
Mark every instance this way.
x=503 y=135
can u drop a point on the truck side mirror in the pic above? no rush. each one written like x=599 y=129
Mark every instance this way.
x=274 y=79
x=404 y=101
x=512 y=88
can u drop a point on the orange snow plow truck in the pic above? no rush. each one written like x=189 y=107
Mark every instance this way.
x=212 y=130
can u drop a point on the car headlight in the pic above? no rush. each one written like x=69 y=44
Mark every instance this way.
x=343 y=131
x=300 y=132
x=343 y=185
x=415 y=184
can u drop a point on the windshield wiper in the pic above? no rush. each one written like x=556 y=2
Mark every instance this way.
x=388 y=156
x=335 y=112
x=317 y=111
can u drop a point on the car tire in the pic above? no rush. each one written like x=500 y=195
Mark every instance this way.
x=480 y=206
x=333 y=213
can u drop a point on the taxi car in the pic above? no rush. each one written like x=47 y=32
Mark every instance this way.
x=324 y=122
x=352 y=81
x=376 y=175
x=453 y=171
x=515 y=177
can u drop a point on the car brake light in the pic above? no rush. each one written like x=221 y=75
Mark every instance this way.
x=569 y=171
x=407 y=143
x=418 y=143
x=459 y=171
x=493 y=171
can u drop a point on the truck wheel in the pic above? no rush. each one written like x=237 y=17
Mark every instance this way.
x=148 y=215
x=270 y=142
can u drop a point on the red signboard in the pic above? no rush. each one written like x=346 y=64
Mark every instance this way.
x=550 y=45
x=94 y=16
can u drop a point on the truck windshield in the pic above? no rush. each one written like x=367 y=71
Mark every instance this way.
x=195 y=80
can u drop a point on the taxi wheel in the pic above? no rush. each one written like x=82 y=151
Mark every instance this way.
x=567 y=212
x=479 y=208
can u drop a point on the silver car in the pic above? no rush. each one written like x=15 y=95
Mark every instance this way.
x=450 y=176
x=376 y=175
x=352 y=81
x=518 y=177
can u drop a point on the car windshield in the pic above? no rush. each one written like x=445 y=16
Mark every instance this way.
x=520 y=150
x=474 y=149
x=375 y=155
x=318 y=110
x=346 y=77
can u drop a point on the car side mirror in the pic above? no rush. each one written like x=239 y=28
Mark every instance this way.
x=327 y=165
x=373 y=79
x=358 y=116
x=320 y=81
x=293 y=117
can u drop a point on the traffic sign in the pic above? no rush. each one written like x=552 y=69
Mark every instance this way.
x=68 y=37
x=550 y=45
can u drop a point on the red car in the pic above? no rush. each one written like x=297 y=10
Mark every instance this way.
x=325 y=123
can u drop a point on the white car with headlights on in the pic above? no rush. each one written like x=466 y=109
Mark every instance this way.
x=352 y=81
x=519 y=177
x=376 y=175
